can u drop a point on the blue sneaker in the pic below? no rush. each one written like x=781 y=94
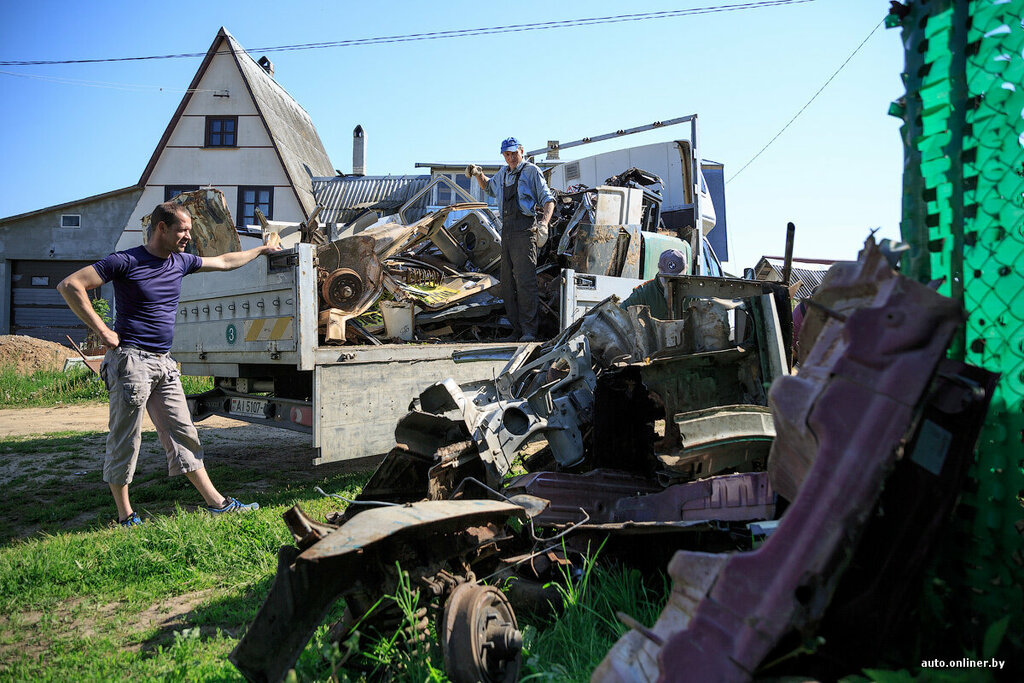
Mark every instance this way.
x=233 y=506
x=133 y=520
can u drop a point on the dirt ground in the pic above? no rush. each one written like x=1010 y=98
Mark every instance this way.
x=240 y=445
x=93 y=417
x=28 y=354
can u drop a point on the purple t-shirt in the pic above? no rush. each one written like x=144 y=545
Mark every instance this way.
x=146 y=293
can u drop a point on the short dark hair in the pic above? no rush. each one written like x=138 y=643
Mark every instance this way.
x=169 y=213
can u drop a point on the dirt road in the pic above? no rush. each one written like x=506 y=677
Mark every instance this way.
x=88 y=418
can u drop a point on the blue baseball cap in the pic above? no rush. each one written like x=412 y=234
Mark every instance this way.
x=509 y=145
x=671 y=262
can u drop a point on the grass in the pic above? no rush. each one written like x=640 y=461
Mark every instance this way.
x=77 y=385
x=81 y=599
x=47 y=387
x=165 y=601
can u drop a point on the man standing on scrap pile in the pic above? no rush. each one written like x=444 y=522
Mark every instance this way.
x=137 y=369
x=522 y=190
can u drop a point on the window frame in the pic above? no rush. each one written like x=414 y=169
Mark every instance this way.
x=71 y=215
x=177 y=189
x=240 y=221
x=209 y=125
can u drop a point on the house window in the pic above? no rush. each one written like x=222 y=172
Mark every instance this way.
x=221 y=131
x=446 y=196
x=250 y=199
x=71 y=220
x=172 y=191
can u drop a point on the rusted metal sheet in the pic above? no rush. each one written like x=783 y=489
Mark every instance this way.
x=614 y=497
x=607 y=250
x=356 y=556
x=733 y=498
x=213 y=231
x=727 y=438
x=728 y=612
x=596 y=492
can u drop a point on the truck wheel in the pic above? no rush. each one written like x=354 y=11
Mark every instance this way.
x=481 y=638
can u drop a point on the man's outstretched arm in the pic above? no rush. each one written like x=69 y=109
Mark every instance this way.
x=74 y=288
x=235 y=259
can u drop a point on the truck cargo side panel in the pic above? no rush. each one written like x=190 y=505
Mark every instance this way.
x=357 y=404
x=252 y=315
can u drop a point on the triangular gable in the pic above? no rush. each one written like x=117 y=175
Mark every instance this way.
x=289 y=127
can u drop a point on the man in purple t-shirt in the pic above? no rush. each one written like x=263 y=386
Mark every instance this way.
x=137 y=369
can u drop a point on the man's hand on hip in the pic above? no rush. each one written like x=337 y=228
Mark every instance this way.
x=110 y=338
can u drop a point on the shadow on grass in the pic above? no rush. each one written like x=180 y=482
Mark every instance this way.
x=229 y=613
x=58 y=442
x=48 y=493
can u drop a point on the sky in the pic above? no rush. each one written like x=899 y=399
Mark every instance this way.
x=74 y=130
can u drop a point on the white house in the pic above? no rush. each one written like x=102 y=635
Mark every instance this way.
x=236 y=130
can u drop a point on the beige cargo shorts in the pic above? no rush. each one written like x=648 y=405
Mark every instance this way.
x=137 y=379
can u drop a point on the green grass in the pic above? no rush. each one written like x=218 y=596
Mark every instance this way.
x=88 y=603
x=81 y=599
x=77 y=385
x=47 y=387
x=571 y=646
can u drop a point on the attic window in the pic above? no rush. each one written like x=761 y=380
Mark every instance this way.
x=71 y=220
x=221 y=131
x=172 y=191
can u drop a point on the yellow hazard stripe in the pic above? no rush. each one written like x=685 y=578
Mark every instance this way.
x=268 y=329
x=281 y=327
x=253 y=329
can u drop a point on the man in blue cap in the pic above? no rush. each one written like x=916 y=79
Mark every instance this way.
x=526 y=207
x=652 y=292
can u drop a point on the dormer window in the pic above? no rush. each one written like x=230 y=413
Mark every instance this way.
x=221 y=131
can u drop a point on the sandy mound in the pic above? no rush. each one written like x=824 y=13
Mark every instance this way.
x=28 y=354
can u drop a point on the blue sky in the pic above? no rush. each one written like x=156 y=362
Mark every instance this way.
x=71 y=131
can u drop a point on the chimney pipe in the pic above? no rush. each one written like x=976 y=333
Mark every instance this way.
x=358 y=151
x=267 y=65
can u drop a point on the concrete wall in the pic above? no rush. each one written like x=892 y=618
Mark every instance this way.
x=38 y=236
x=185 y=160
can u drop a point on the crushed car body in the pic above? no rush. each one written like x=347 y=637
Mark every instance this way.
x=874 y=399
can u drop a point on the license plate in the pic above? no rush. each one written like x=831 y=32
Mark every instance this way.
x=250 y=407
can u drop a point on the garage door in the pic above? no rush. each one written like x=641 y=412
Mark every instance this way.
x=36 y=308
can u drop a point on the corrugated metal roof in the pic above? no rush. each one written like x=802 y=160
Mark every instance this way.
x=345 y=197
x=810 y=274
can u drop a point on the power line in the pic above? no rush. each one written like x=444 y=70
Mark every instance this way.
x=131 y=87
x=439 y=35
x=813 y=97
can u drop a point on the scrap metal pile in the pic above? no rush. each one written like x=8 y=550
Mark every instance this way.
x=657 y=437
x=435 y=278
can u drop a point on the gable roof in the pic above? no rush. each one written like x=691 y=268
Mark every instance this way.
x=85 y=200
x=809 y=272
x=291 y=131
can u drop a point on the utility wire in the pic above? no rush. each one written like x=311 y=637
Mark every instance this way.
x=813 y=97
x=438 y=35
x=131 y=87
